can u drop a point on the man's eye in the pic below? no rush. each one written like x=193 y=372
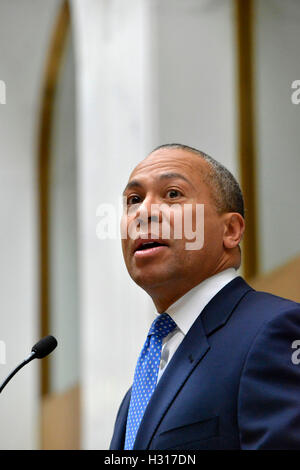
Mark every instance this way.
x=133 y=200
x=173 y=193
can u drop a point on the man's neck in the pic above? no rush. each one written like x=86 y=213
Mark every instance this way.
x=166 y=296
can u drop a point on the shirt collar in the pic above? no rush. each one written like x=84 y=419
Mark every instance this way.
x=186 y=309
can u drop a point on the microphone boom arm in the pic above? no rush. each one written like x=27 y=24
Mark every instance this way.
x=22 y=364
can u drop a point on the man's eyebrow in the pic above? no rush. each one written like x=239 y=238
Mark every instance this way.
x=137 y=184
x=132 y=184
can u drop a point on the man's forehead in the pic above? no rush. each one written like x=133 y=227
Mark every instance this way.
x=171 y=160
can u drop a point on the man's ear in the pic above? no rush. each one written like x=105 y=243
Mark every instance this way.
x=234 y=227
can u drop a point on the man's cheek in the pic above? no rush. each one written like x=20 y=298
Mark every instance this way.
x=124 y=228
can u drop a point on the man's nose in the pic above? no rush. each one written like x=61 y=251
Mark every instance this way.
x=149 y=211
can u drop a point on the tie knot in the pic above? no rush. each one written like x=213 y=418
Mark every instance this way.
x=162 y=325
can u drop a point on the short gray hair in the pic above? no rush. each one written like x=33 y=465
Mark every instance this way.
x=226 y=191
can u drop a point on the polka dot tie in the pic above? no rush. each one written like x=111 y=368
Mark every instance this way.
x=145 y=376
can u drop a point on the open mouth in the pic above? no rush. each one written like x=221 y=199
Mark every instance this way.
x=148 y=248
x=148 y=245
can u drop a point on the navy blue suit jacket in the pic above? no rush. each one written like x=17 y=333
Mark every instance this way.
x=232 y=383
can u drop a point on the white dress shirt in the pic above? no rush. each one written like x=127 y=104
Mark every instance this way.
x=186 y=309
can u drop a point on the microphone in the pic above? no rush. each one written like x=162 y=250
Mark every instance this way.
x=44 y=347
x=41 y=349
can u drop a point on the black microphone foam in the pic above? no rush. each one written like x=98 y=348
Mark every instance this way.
x=44 y=347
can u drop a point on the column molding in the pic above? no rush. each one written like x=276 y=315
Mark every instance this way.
x=51 y=74
x=244 y=18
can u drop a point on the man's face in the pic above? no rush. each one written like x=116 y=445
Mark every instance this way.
x=172 y=177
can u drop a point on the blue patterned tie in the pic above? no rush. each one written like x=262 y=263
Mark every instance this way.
x=145 y=376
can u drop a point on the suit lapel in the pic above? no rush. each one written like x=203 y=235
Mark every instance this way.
x=188 y=355
x=118 y=439
x=219 y=309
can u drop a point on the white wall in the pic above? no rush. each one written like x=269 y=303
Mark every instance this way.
x=148 y=72
x=194 y=71
x=278 y=124
x=24 y=35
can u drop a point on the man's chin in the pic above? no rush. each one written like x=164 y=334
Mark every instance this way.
x=151 y=279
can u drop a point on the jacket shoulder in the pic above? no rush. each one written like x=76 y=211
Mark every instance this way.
x=267 y=305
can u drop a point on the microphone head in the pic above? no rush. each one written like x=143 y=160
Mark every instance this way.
x=44 y=347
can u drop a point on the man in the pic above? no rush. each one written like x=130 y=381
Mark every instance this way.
x=216 y=370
